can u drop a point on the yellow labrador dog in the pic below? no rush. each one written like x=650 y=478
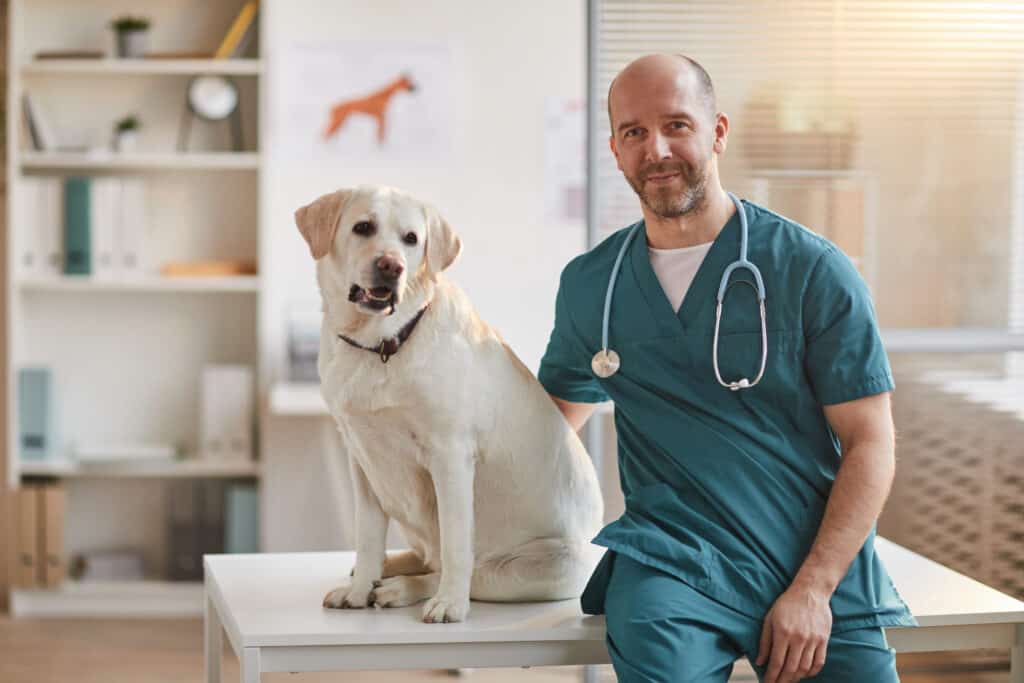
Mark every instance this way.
x=449 y=434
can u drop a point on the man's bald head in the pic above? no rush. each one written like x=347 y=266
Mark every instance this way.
x=668 y=66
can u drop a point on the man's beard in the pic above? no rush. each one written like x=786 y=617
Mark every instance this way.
x=666 y=202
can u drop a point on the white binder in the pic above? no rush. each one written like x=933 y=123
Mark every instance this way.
x=226 y=412
x=103 y=207
x=131 y=227
x=52 y=233
x=30 y=228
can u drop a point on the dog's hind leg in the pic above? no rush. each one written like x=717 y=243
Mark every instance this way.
x=404 y=563
x=541 y=569
x=401 y=591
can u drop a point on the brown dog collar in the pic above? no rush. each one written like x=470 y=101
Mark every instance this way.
x=389 y=347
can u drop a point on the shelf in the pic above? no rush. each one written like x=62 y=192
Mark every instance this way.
x=154 y=283
x=805 y=173
x=110 y=599
x=303 y=399
x=143 y=67
x=952 y=340
x=154 y=469
x=172 y=160
x=297 y=399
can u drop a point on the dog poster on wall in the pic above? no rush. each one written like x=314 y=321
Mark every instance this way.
x=366 y=101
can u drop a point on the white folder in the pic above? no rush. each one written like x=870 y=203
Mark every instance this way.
x=52 y=214
x=103 y=215
x=31 y=242
x=226 y=412
x=131 y=226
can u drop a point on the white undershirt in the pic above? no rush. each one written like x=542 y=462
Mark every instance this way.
x=676 y=269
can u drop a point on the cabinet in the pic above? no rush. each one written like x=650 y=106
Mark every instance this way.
x=126 y=353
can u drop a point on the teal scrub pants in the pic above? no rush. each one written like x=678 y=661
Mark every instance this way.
x=661 y=629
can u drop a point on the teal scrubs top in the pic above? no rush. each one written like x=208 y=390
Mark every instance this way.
x=726 y=489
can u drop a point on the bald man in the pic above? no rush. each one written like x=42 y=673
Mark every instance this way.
x=753 y=473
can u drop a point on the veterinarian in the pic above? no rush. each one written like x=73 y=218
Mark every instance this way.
x=755 y=452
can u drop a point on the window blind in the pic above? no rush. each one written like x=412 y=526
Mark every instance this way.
x=891 y=127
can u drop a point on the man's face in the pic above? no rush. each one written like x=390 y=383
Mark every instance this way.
x=663 y=140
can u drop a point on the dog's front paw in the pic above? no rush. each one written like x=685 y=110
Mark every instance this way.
x=445 y=609
x=353 y=596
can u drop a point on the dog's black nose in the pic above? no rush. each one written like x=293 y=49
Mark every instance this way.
x=390 y=267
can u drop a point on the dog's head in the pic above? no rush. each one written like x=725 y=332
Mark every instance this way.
x=374 y=243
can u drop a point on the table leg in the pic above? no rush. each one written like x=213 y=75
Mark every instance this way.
x=591 y=674
x=1017 y=657
x=213 y=635
x=250 y=664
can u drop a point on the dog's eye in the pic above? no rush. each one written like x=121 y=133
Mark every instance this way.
x=410 y=238
x=363 y=228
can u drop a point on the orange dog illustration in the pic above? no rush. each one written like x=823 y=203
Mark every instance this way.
x=375 y=104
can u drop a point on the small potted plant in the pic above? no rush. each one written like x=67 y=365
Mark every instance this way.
x=126 y=134
x=132 y=35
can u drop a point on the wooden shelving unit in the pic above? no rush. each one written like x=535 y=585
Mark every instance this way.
x=126 y=363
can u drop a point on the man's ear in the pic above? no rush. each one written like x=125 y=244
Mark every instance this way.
x=319 y=221
x=443 y=245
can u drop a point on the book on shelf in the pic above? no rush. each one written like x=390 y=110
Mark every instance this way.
x=26 y=524
x=40 y=227
x=241 y=518
x=195 y=526
x=207 y=268
x=77 y=218
x=36 y=420
x=239 y=32
x=226 y=413
x=69 y=54
x=180 y=54
x=118 y=214
x=81 y=226
x=39 y=521
x=51 y=500
x=40 y=132
x=106 y=197
x=130 y=221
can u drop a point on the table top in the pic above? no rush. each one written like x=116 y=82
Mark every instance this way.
x=276 y=600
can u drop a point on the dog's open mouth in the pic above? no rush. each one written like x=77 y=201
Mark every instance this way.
x=376 y=298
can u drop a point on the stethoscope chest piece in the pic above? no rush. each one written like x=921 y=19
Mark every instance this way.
x=605 y=363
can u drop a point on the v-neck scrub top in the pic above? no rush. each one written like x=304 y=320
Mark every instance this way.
x=726 y=489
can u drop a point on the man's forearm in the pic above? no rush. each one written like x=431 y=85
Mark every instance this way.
x=858 y=495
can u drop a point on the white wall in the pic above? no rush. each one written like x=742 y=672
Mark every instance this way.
x=507 y=59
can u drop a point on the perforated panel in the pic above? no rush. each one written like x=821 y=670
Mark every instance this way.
x=958 y=496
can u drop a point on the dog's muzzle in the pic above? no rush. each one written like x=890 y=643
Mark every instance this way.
x=377 y=298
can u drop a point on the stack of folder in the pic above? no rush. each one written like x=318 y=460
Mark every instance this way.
x=82 y=226
x=39 y=523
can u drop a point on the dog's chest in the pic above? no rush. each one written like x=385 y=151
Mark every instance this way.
x=385 y=429
x=385 y=408
x=366 y=384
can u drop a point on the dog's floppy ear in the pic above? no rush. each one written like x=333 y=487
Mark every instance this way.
x=319 y=221
x=443 y=245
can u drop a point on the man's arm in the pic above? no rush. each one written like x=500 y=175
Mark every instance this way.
x=797 y=628
x=866 y=470
x=576 y=414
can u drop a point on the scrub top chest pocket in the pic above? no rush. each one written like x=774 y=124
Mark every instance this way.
x=740 y=337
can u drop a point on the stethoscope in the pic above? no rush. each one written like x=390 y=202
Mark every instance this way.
x=606 y=362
